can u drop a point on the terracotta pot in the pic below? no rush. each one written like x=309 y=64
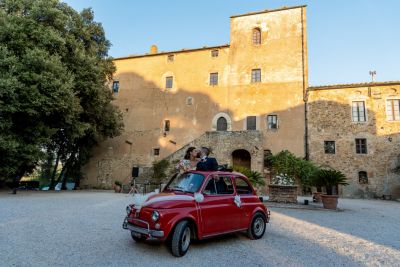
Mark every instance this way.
x=330 y=201
x=317 y=197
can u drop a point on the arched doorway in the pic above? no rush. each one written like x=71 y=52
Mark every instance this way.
x=242 y=158
x=222 y=124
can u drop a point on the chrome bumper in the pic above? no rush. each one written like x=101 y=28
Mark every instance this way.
x=145 y=231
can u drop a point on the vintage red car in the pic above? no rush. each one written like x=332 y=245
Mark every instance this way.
x=197 y=205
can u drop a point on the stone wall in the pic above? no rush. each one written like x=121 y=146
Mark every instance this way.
x=223 y=143
x=330 y=119
x=283 y=194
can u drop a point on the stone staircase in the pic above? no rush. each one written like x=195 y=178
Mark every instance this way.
x=223 y=143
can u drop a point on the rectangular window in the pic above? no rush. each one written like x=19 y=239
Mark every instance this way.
x=166 y=126
x=256 y=75
x=361 y=146
x=329 y=147
x=214 y=53
x=171 y=58
x=115 y=86
x=169 y=82
x=251 y=123
x=358 y=111
x=156 y=152
x=272 y=121
x=393 y=109
x=214 y=78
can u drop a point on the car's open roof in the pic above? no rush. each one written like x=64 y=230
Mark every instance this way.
x=206 y=173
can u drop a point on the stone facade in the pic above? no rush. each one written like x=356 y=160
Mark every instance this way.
x=224 y=143
x=193 y=106
x=330 y=119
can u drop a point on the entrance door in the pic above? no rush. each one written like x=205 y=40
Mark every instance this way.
x=242 y=158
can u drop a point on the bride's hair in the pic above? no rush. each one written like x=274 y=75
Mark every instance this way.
x=188 y=151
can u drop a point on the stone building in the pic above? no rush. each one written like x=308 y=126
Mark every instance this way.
x=355 y=128
x=251 y=92
x=248 y=98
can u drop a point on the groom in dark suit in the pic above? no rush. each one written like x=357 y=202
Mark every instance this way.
x=206 y=163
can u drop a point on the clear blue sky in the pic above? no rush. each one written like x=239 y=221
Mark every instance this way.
x=346 y=38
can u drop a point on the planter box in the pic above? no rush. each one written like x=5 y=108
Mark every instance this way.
x=283 y=193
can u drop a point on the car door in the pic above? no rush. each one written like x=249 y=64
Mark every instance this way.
x=219 y=213
x=247 y=199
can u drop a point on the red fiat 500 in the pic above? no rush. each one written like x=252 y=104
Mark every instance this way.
x=197 y=205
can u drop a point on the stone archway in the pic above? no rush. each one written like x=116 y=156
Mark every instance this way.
x=242 y=158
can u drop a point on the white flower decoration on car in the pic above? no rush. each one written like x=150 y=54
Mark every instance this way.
x=237 y=201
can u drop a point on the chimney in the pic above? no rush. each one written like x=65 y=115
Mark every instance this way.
x=153 y=49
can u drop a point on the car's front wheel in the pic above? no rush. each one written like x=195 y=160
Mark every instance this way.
x=180 y=241
x=257 y=227
x=138 y=237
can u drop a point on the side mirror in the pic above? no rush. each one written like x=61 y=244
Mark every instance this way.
x=198 y=197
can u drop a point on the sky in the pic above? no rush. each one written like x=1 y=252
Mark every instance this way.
x=346 y=38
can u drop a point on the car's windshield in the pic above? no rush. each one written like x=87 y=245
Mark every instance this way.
x=186 y=182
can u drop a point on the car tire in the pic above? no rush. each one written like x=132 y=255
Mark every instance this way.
x=137 y=238
x=257 y=226
x=180 y=240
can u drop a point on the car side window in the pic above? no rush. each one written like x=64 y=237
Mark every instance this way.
x=242 y=187
x=210 y=188
x=219 y=186
x=224 y=186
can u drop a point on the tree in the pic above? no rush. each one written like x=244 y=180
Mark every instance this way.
x=54 y=98
x=160 y=170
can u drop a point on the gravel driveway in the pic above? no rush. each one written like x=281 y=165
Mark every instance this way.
x=84 y=229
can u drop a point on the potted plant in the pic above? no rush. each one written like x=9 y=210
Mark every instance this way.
x=330 y=179
x=117 y=186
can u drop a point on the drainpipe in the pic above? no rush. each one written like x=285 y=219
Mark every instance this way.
x=305 y=90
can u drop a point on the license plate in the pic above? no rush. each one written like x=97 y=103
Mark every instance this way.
x=137 y=234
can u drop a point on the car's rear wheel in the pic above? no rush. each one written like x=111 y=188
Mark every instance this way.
x=257 y=227
x=138 y=237
x=180 y=241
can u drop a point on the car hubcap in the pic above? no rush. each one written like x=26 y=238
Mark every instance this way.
x=258 y=226
x=186 y=239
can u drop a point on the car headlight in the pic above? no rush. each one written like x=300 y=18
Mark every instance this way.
x=128 y=210
x=155 y=216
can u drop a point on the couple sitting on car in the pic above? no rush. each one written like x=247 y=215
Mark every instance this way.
x=197 y=159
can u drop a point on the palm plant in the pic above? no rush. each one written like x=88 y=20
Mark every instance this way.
x=329 y=178
x=255 y=177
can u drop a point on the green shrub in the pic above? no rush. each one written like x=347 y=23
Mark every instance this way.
x=255 y=177
x=160 y=170
x=118 y=183
x=286 y=164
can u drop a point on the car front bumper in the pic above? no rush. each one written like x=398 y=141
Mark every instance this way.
x=141 y=230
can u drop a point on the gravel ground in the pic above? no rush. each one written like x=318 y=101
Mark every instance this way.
x=84 y=229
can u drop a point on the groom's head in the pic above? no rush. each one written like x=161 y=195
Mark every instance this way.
x=205 y=151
